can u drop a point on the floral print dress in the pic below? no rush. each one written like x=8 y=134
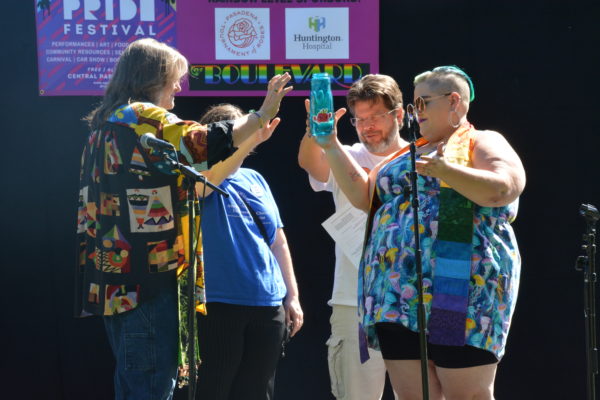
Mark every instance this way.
x=387 y=288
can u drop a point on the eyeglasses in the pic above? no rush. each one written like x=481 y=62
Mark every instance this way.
x=422 y=102
x=373 y=119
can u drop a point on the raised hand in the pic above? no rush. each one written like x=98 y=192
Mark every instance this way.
x=264 y=134
x=325 y=141
x=276 y=91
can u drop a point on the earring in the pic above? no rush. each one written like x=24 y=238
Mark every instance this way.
x=450 y=119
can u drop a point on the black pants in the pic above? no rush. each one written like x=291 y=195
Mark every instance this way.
x=239 y=347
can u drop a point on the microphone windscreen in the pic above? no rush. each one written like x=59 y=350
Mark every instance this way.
x=410 y=111
x=144 y=140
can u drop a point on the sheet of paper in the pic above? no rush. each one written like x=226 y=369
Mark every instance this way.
x=347 y=227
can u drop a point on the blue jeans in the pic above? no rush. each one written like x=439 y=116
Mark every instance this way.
x=144 y=343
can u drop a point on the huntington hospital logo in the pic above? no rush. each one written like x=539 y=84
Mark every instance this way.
x=316 y=23
x=313 y=33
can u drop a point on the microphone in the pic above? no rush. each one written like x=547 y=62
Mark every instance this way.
x=151 y=142
x=411 y=116
x=589 y=212
x=410 y=113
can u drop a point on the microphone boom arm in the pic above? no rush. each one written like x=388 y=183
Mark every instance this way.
x=192 y=174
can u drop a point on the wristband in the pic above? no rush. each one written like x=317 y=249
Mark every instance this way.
x=260 y=120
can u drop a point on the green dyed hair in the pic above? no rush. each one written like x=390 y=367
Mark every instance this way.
x=439 y=73
x=454 y=69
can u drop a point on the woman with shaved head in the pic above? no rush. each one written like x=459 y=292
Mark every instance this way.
x=469 y=181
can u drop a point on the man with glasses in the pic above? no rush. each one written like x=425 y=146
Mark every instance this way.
x=375 y=102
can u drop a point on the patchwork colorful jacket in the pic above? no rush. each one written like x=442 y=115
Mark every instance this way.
x=132 y=216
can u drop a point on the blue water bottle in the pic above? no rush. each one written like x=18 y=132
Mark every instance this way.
x=321 y=105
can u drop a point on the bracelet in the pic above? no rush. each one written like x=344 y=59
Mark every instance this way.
x=260 y=120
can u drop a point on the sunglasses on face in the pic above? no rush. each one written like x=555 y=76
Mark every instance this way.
x=373 y=119
x=422 y=102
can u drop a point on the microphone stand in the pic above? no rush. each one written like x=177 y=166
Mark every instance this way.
x=414 y=191
x=191 y=176
x=587 y=264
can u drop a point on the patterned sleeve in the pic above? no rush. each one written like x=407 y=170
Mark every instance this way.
x=200 y=144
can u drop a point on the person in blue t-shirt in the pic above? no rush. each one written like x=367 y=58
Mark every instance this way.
x=251 y=290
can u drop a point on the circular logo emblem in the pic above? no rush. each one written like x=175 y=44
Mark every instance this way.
x=242 y=33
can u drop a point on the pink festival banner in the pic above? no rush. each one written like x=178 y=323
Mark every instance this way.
x=234 y=46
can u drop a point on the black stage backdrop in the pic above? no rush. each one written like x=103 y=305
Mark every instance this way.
x=533 y=67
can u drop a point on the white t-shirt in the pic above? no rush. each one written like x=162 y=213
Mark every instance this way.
x=345 y=282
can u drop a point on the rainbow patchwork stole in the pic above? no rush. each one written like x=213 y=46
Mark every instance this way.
x=453 y=249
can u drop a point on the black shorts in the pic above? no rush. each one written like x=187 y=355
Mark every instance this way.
x=400 y=343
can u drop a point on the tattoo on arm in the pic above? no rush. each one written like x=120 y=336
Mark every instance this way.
x=354 y=176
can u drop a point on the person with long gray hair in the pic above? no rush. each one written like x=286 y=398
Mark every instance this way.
x=133 y=217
